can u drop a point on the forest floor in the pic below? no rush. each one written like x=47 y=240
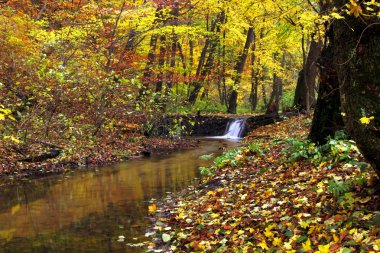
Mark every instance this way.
x=277 y=193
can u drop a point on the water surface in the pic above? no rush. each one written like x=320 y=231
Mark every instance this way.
x=91 y=211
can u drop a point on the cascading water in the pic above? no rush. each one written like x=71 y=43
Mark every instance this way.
x=234 y=130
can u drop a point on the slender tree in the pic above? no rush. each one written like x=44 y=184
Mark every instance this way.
x=239 y=67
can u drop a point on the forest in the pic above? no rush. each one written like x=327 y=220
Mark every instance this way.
x=87 y=83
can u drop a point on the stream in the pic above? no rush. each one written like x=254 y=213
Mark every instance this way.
x=102 y=210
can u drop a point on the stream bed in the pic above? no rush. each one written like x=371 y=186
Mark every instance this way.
x=100 y=210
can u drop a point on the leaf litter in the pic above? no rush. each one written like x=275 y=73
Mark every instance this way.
x=262 y=200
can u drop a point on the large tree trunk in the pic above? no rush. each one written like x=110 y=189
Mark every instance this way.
x=357 y=57
x=327 y=115
x=300 y=97
x=232 y=102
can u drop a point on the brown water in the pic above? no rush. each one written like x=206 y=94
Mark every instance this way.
x=89 y=211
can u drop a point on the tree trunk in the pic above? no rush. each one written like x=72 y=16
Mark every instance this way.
x=327 y=115
x=148 y=71
x=204 y=69
x=273 y=105
x=161 y=65
x=232 y=102
x=253 y=98
x=300 y=101
x=357 y=57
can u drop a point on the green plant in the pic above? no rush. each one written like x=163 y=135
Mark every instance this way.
x=205 y=171
x=337 y=149
x=207 y=156
x=338 y=187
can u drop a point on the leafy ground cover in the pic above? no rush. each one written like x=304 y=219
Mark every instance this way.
x=277 y=193
x=15 y=161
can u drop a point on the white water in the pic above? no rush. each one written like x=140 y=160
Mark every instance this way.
x=234 y=129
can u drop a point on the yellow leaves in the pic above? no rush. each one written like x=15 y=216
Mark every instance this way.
x=268 y=233
x=303 y=224
x=15 y=209
x=263 y=245
x=214 y=215
x=336 y=238
x=323 y=249
x=240 y=232
x=210 y=193
x=352 y=231
x=306 y=246
x=7 y=234
x=269 y=192
x=288 y=245
x=376 y=245
x=5 y=112
x=354 y=8
x=152 y=208
x=12 y=139
x=336 y=16
x=365 y=120
x=358 y=237
x=277 y=241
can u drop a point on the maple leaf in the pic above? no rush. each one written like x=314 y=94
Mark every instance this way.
x=354 y=8
x=268 y=233
x=288 y=245
x=323 y=248
x=263 y=245
x=152 y=208
x=303 y=224
x=277 y=241
x=307 y=245
x=376 y=246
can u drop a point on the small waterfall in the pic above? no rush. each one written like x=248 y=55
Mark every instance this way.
x=234 y=129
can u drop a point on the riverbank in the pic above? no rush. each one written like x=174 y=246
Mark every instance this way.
x=279 y=193
x=14 y=165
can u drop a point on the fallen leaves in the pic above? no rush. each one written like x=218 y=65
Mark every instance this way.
x=264 y=203
x=152 y=208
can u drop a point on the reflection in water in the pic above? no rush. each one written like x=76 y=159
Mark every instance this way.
x=88 y=211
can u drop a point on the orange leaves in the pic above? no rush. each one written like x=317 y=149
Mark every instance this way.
x=152 y=208
x=354 y=8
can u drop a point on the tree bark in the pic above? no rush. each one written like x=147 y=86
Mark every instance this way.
x=300 y=97
x=327 y=117
x=253 y=98
x=232 y=101
x=357 y=57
